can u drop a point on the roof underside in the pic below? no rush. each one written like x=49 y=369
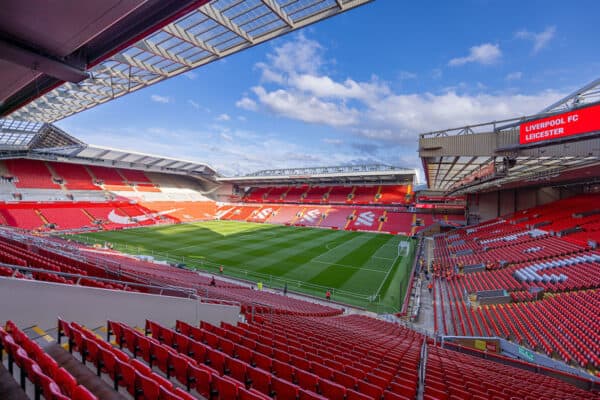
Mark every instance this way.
x=374 y=174
x=489 y=156
x=48 y=142
x=206 y=33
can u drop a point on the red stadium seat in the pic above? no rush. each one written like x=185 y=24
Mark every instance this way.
x=226 y=387
x=81 y=393
x=260 y=380
x=307 y=380
x=332 y=390
x=201 y=379
x=309 y=395
x=283 y=389
x=237 y=369
x=65 y=381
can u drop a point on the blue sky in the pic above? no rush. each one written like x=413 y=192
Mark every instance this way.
x=359 y=87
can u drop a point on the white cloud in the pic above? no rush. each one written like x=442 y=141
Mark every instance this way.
x=485 y=54
x=241 y=118
x=161 y=99
x=190 y=75
x=333 y=141
x=223 y=117
x=514 y=76
x=324 y=86
x=385 y=123
x=305 y=107
x=406 y=115
x=194 y=104
x=247 y=104
x=540 y=40
x=226 y=136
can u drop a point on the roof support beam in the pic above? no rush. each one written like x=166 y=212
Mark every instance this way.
x=273 y=6
x=40 y=63
x=216 y=16
x=184 y=35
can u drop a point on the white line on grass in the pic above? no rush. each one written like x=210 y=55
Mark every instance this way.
x=382 y=258
x=345 y=266
x=387 y=274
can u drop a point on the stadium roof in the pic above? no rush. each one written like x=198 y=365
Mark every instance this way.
x=490 y=156
x=339 y=174
x=59 y=60
x=48 y=142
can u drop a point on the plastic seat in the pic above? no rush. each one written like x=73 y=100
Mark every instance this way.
x=261 y=361
x=216 y=360
x=149 y=389
x=163 y=358
x=94 y=355
x=307 y=380
x=282 y=370
x=183 y=395
x=354 y=395
x=145 y=347
x=226 y=387
x=283 y=389
x=131 y=341
x=369 y=389
x=321 y=370
x=245 y=394
x=41 y=381
x=65 y=381
x=308 y=395
x=24 y=363
x=109 y=362
x=116 y=329
x=200 y=379
x=125 y=376
x=211 y=339
x=345 y=380
x=79 y=343
x=243 y=353
x=331 y=390
x=226 y=346
x=181 y=343
x=237 y=369
x=387 y=395
x=181 y=368
x=260 y=380
x=198 y=351
x=166 y=394
x=54 y=393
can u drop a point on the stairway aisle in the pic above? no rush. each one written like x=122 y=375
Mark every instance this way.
x=84 y=375
x=9 y=387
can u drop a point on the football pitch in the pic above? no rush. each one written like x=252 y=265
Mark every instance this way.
x=364 y=269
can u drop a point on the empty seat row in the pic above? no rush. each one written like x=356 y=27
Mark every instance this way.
x=35 y=365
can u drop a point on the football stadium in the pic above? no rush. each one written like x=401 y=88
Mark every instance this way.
x=130 y=275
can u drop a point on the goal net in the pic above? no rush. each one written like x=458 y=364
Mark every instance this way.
x=403 y=248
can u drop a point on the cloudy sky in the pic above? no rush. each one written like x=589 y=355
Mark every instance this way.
x=360 y=87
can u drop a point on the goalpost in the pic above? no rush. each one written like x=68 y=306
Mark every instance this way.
x=403 y=247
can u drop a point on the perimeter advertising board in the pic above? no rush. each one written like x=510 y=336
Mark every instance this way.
x=576 y=122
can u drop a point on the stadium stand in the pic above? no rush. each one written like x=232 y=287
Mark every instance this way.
x=31 y=174
x=316 y=194
x=544 y=276
x=539 y=264
x=74 y=176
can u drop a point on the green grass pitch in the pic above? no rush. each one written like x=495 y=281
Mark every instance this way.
x=361 y=268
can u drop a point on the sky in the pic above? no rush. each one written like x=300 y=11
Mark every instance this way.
x=359 y=87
